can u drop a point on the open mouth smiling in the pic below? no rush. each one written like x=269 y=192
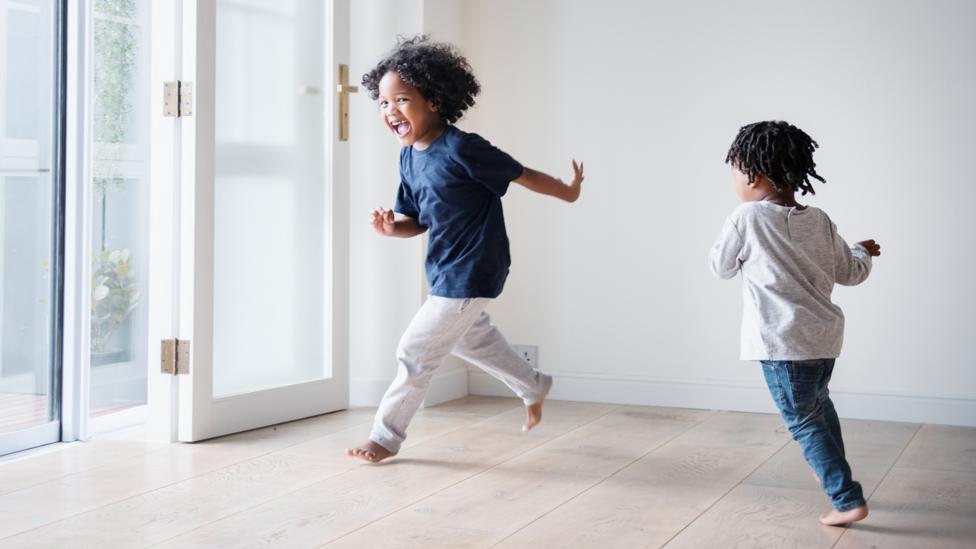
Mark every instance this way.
x=400 y=127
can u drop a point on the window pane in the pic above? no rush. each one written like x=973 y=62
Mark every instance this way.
x=120 y=215
x=26 y=105
x=271 y=215
x=26 y=55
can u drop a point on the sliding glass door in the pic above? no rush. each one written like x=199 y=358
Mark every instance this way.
x=29 y=221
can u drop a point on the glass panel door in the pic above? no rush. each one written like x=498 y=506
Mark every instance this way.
x=267 y=176
x=271 y=210
x=28 y=396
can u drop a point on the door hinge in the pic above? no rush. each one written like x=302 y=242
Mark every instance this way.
x=175 y=356
x=177 y=98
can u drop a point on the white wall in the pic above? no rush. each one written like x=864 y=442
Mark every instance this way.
x=384 y=282
x=386 y=274
x=615 y=289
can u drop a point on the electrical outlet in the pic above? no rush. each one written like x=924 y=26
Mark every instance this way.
x=529 y=353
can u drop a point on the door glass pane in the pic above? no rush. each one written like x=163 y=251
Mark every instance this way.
x=271 y=215
x=26 y=254
x=120 y=205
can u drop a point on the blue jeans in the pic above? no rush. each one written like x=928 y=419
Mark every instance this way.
x=799 y=388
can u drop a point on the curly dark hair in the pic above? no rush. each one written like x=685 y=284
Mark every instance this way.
x=778 y=150
x=441 y=74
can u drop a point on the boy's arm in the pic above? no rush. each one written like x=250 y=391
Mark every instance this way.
x=385 y=224
x=724 y=258
x=546 y=184
x=853 y=263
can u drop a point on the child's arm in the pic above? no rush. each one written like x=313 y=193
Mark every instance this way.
x=724 y=259
x=546 y=184
x=853 y=262
x=384 y=223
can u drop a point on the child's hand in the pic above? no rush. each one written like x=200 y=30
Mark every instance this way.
x=872 y=247
x=553 y=186
x=577 y=182
x=382 y=221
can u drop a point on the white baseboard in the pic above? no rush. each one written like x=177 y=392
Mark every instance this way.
x=449 y=383
x=446 y=385
x=740 y=398
x=128 y=417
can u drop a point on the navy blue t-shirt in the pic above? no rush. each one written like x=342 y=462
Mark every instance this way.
x=454 y=188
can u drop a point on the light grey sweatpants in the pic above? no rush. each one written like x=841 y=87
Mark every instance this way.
x=442 y=326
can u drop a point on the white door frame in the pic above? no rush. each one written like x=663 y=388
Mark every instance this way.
x=76 y=351
x=164 y=197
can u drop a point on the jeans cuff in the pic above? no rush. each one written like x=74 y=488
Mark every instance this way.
x=851 y=505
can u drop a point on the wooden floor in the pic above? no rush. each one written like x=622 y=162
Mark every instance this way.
x=20 y=411
x=591 y=475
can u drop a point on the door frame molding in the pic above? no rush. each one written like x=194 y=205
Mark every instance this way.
x=78 y=199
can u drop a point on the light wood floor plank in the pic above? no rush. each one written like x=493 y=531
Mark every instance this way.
x=915 y=508
x=55 y=463
x=491 y=506
x=727 y=445
x=164 y=513
x=487 y=507
x=77 y=493
x=871 y=446
x=610 y=443
x=336 y=506
x=651 y=500
x=590 y=475
x=942 y=448
x=760 y=516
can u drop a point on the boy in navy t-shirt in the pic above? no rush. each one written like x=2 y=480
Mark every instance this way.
x=451 y=184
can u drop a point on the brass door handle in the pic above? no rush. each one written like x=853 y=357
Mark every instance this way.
x=344 y=89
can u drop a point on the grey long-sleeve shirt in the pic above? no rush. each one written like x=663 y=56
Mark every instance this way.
x=790 y=260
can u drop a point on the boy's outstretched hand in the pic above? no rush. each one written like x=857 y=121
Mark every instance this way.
x=543 y=183
x=382 y=221
x=576 y=184
x=872 y=247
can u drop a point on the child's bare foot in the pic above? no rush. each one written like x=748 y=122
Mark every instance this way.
x=842 y=518
x=371 y=452
x=533 y=414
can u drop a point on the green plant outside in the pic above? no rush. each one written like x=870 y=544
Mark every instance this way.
x=114 y=295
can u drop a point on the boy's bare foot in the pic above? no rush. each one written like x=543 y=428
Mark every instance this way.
x=371 y=452
x=842 y=518
x=533 y=414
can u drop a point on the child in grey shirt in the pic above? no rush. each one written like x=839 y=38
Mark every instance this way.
x=790 y=257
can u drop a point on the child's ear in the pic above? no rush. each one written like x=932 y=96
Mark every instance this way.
x=759 y=181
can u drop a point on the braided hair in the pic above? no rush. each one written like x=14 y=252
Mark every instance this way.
x=441 y=74
x=778 y=150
